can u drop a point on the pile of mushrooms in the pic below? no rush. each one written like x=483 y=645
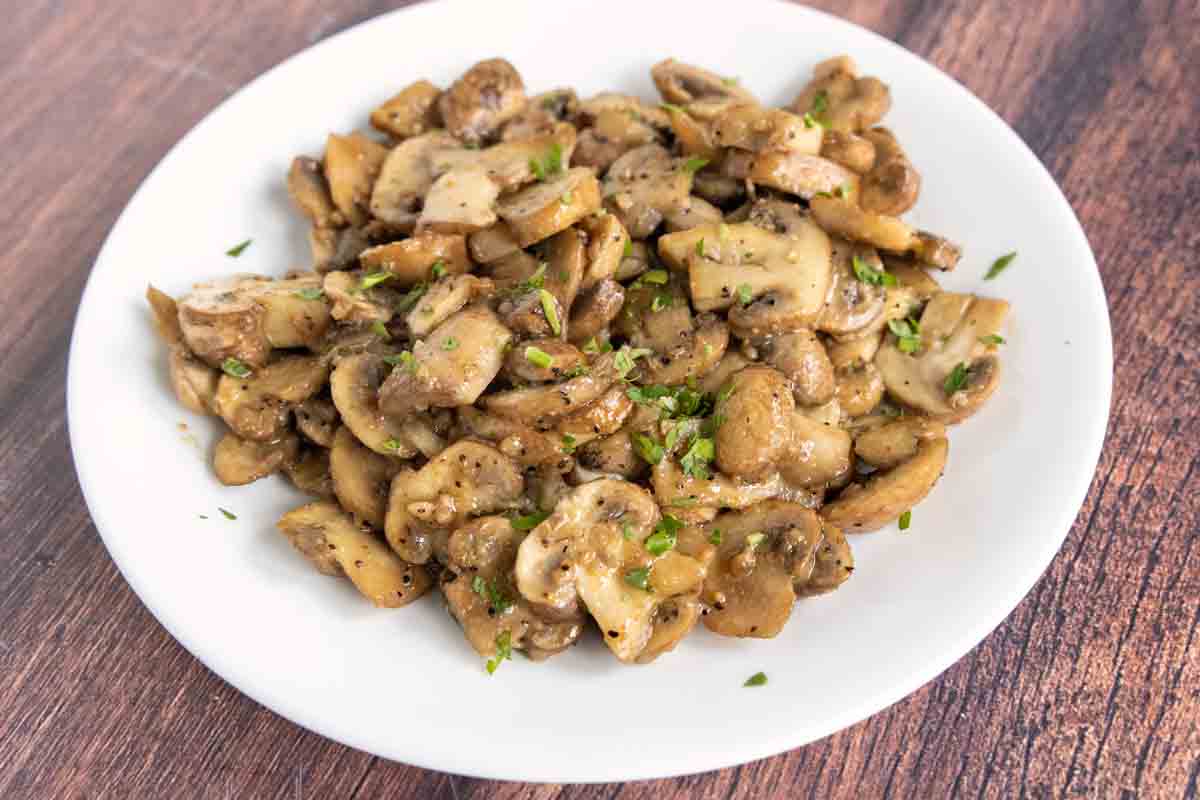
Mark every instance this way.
x=596 y=363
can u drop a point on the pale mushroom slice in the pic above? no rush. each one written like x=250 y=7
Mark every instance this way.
x=840 y=100
x=889 y=493
x=194 y=382
x=412 y=261
x=696 y=352
x=443 y=375
x=842 y=217
x=528 y=447
x=478 y=104
x=802 y=174
x=852 y=304
x=643 y=185
x=607 y=242
x=492 y=244
x=221 y=320
x=336 y=248
x=410 y=112
x=477 y=585
x=681 y=83
x=467 y=479
x=445 y=297
x=257 y=405
x=860 y=389
x=764 y=552
x=749 y=126
x=893 y=184
x=627 y=104
x=361 y=477
x=541 y=406
x=954 y=370
x=460 y=201
x=539 y=211
x=511 y=165
x=309 y=192
x=354 y=386
x=352 y=163
x=852 y=151
x=695 y=212
x=676 y=489
x=336 y=545
x=405 y=177
x=888 y=445
x=352 y=303
x=238 y=461
x=602 y=417
x=594 y=549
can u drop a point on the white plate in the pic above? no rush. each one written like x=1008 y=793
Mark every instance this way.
x=306 y=646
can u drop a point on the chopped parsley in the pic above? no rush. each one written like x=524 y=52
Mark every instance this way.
x=755 y=539
x=999 y=265
x=905 y=520
x=820 y=103
x=745 y=294
x=503 y=651
x=438 y=269
x=650 y=450
x=238 y=249
x=529 y=521
x=871 y=276
x=568 y=443
x=992 y=339
x=549 y=164
x=593 y=347
x=661 y=301
x=694 y=165
x=628 y=249
x=566 y=198
x=626 y=359
x=757 y=679
x=696 y=460
x=672 y=108
x=664 y=536
x=548 y=308
x=538 y=357
x=534 y=282
x=235 y=368
x=380 y=330
x=372 y=279
x=908 y=334
x=412 y=296
x=310 y=293
x=393 y=445
x=657 y=277
x=810 y=121
x=715 y=536
x=731 y=81
x=404 y=359
x=700 y=247
x=639 y=578
x=449 y=343
x=227 y=514
x=491 y=592
x=957 y=379
x=627 y=531
x=683 y=502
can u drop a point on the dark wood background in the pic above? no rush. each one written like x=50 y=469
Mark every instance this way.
x=1091 y=687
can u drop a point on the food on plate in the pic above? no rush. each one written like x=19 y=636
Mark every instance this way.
x=596 y=363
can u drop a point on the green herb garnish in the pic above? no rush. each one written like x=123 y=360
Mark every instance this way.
x=413 y=295
x=661 y=301
x=628 y=249
x=905 y=520
x=672 y=107
x=538 y=357
x=908 y=334
x=694 y=165
x=639 y=578
x=657 y=277
x=529 y=521
x=238 y=249
x=755 y=539
x=715 y=536
x=992 y=339
x=450 y=343
x=549 y=164
x=568 y=443
x=999 y=265
x=491 y=592
x=548 y=308
x=957 y=379
x=627 y=531
x=625 y=359
x=757 y=679
x=375 y=278
x=695 y=461
x=438 y=269
x=503 y=651
x=235 y=368
x=664 y=536
x=810 y=121
x=380 y=330
x=745 y=294
x=684 y=502
x=869 y=275
x=393 y=445
x=310 y=293
x=700 y=247
x=227 y=514
x=650 y=450
x=820 y=103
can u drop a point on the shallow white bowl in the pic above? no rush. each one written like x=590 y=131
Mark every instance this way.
x=237 y=596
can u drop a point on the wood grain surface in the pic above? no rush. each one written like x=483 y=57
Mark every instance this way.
x=1091 y=688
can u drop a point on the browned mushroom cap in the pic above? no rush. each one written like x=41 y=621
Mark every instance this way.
x=336 y=545
x=681 y=83
x=611 y=456
x=611 y=134
x=852 y=305
x=697 y=350
x=542 y=406
x=310 y=192
x=893 y=184
x=336 y=248
x=257 y=406
x=539 y=211
x=675 y=489
x=954 y=371
x=643 y=185
x=859 y=389
x=411 y=112
x=594 y=309
x=194 y=382
x=467 y=479
x=840 y=100
x=607 y=240
x=889 y=493
x=360 y=477
x=834 y=563
x=221 y=320
x=405 y=176
x=525 y=362
x=352 y=163
x=411 y=260
x=309 y=472
x=696 y=211
x=602 y=417
x=512 y=164
x=843 y=218
x=482 y=100
x=801 y=358
x=763 y=552
x=521 y=443
x=848 y=149
x=888 y=445
x=355 y=385
x=749 y=126
x=238 y=462
x=317 y=418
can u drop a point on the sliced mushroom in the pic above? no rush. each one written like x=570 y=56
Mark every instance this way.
x=511 y=165
x=893 y=184
x=353 y=303
x=681 y=83
x=676 y=489
x=627 y=104
x=594 y=309
x=802 y=175
x=695 y=354
x=602 y=417
x=238 y=462
x=764 y=552
x=852 y=305
x=331 y=540
x=352 y=163
x=953 y=332
x=565 y=260
x=694 y=212
x=524 y=361
x=523 y=444
x=442 y=377
x=467 y=479
x=731 y=362
x=612 y=133
x=749 y=126
x=888 y=445
x=913 y=276
x=411 y=260
x=524 y=311
x=802 y=359
x=935 y=251
x=309 y=472
x=355 y=385
x=611 y=456
x=360 y=477
x=195 y=383
x=834 y=563
x=317 y=418
x=656 y=315
x=716 y=187
x=460 y=201
x=478 y=104
x=411 y=112
x=405 y=177
x=889 y=493
x=336 y=248
x=541 y=406
x=310 y=192
x=852 y=151
x=643 y=185
x=859 y=389
x=257 y=406
x=843 y=218
x=840 y=99
x=607 y=243
x=492 y=244
x=538 y=212
x=634 y=262
x=221 y=320
x=444 y=298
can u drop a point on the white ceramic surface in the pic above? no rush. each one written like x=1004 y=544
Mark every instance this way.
x=237 y=596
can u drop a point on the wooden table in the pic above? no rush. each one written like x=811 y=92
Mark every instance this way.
x=1090 y=688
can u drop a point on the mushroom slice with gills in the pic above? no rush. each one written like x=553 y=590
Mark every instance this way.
x=694 y=212
x=612 y=134
x=607 y=241
x=764 y=552
x=410 y=112
x=565 y=261
x=317 y=418
x=479 y=594
x=854 y=152
x=361 y=477
x=840 y=99
x=594 y=309
x=336 y=248
x=935 y=251
x=492 y=244
x=802 y=175
x=681 y=83
x=353 y=303
x=716 y=188
x=730 y=363
x=405 y=177
x=539 y=211
x=221 y=320
x=352 y=163
x=460 y=201
x=238 y=461
x=693 y=128
x=859 y=389
x=521 y=443
x=913 y=276
x=309 y=472
x=633 y=263
x=656 y=314
x=467 y=479
x=602 y=417
x=887 y=494
x=697 y=352
x=891 y=444
x=954 y=370
x=412 y=260
x=643 y=185
x=612 y=457
x=893 y=184
x=355 y=386
x=257 y=406
x=194 y=382
x=337 y=545
x=511 y=165
x=531 y=312
x=527 y=361
x=852 y=304
x=441 y=377
x=833 y=565
x=749 y=126
x=591 y=550
x=675 y=488
x=478 y=104
x=542 y=406
x=445 y=297
x=802 y=359
x=309 y=192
